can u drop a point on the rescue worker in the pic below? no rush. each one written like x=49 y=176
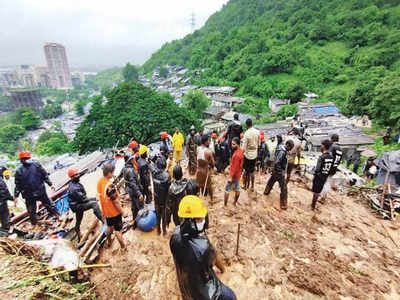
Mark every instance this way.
x=198 y=137
x=251 y=142
x=29 y=181
x=5 y=195
x=133 y=187
x=324 y=165
x=161 y=181
x=134 y=146
x=234 y=129
x=213 y=142
x=111 y=209
x=191 y=151
x=176 y=192
x=170 y=163
x=177 y=142
x=279 y=172
x=9 y=181
x=294 y=154
x=271 y=143
x=222 y=154
x=337 y=155
x=194 y=255
x=79 y=202
x=144 y=172
x=235 y=172
x=164 y=149
x=205 y=163
x=263 y=153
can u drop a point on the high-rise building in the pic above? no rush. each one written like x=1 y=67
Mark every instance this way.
x=56 y=58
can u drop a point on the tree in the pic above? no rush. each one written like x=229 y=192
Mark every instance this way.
x=79 y=108
x=295 y=93
x=51 y=111
x=385 y=105
x=164 y=72
x=27 y=118
x=131 y=111
x=196 y=101
x=52 y=143
x=5 y=104
x=286 y=111
x=130 y=72
x=9 y=137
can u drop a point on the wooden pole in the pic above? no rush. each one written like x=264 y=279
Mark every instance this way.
x=237 y=240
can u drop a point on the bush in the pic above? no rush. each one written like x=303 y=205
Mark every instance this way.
x=52 y=143
x=51 y=111
x=286 y=111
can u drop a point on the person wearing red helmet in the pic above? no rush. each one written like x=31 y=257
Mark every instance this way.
x=134 y=146
x=78 y=200
x=164 y=148
x=30 y=178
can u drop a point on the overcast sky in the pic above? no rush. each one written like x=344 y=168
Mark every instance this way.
x=95 y=32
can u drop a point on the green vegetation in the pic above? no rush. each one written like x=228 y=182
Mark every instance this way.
x=130 y=73
x=347 y=51
x=163 y=72
x=27 y=118
x=196 y=102
x=51 y=111
x=52 y=142
x=4 y=104
x=131 y=111
x=253 y=106
x=103 y=79
x=287 y=111
x=10 y=135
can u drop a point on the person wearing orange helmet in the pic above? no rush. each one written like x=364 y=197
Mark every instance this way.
x=213 y=142
x=30 y=178
x=134 y=146
x=164 y=148
x=78 y=200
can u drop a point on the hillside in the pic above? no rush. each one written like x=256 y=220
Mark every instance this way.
x=346 y=51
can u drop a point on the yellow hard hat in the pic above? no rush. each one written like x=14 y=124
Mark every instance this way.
x=143 y=149
x=7 y=173
x=192 y=207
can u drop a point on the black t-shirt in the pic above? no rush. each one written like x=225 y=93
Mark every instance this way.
x=337 y=155
x=324 y=165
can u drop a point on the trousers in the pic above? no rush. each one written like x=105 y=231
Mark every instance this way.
x=161 y=218
x=81 y=208
x=32 y=207
x=282 y=184
x=4 y=216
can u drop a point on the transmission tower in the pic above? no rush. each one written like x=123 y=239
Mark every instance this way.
x=192 y=21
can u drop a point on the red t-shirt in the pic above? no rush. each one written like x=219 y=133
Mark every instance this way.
x=236 y=165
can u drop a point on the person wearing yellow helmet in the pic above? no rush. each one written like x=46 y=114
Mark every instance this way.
x=144 y=172
x=195 y=256
x=5 y=196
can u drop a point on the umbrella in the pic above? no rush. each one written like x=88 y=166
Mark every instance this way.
x=368 y=153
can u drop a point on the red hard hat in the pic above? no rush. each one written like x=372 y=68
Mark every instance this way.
x=72 y=172
x=214 y=135
x=163 y=135
x=24 y=154
x=133 y=145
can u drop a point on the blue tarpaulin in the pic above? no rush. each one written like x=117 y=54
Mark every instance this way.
x=326 y=110
x=62 y=204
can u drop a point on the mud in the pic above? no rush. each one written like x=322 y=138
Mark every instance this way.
x=340 y=251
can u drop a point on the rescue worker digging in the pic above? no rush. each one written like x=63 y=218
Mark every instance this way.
x=29 y=181
x=205 y=163
x=79 y=202
x=194 y=255
x=279 y=172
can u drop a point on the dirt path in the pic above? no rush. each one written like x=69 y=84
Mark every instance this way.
x=340 y=252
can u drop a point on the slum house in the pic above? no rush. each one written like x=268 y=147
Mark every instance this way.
x=226 y=101
x=212 y=91
x=273 y=129
x=310 y=97
x=275 y=104
x=214 y=112
x=228 y=117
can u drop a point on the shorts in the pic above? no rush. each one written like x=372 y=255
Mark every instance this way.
x=249 y=165
x=318 y=184
x=232 y=185
x=115 y=222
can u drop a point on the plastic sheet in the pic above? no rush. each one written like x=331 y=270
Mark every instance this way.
x=59 y=253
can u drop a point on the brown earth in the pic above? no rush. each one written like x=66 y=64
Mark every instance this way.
x=342 y=251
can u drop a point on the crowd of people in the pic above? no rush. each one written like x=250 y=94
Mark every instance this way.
x=178 y=199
